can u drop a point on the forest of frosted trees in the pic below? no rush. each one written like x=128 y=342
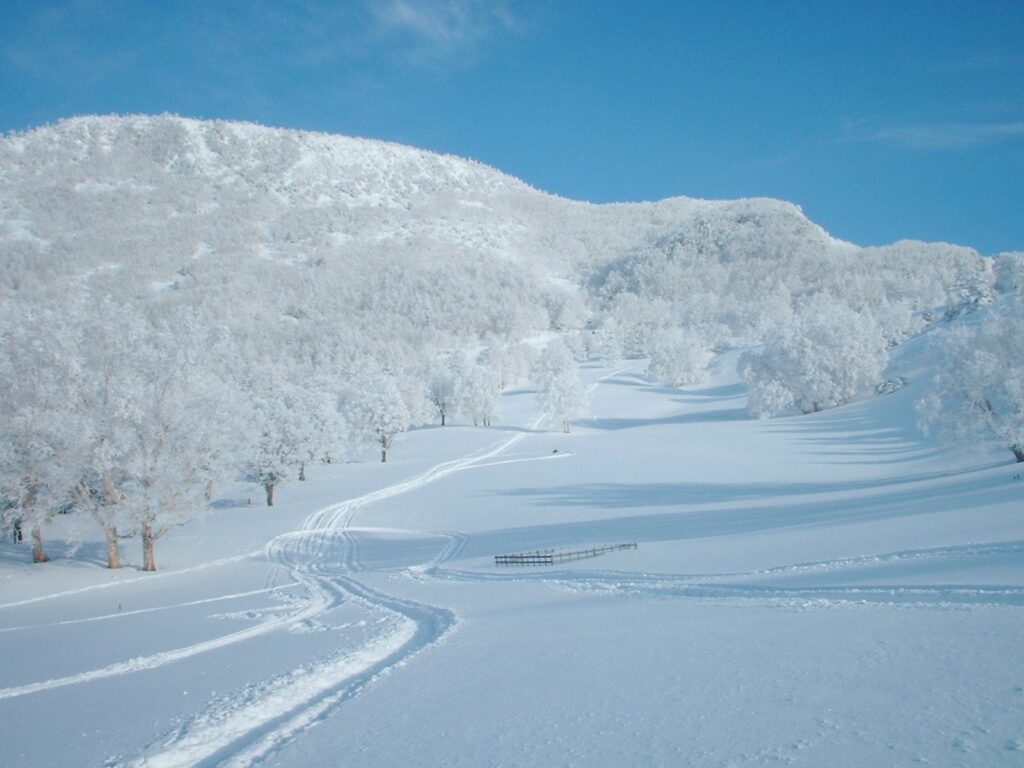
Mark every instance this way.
x=186 y=303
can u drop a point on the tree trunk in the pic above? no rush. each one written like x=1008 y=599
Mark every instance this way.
x=38 y=553
x=270 y=494
x=302 y=471
x=148 y=562
x=442 y=418
x=113 y=552
x=383 y=455
x=1018 y=451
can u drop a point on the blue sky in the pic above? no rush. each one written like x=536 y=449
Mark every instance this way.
x=883 y=120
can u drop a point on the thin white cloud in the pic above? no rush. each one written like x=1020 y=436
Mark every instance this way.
x=444 y=27
x=940 y=136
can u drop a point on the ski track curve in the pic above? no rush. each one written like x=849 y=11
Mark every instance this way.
x=742 y=585
x=311 y=609
x=157 y=609
x=321 y=556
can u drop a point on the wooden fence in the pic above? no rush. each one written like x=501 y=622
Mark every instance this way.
x=553 y=557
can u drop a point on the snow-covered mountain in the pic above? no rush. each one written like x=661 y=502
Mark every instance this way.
x=303 y=195
x=401 y=239
x=194 y=313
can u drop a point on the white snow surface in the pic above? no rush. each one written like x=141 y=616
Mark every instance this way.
x=831 y=589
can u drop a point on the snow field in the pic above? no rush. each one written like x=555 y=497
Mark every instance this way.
x=824 y=590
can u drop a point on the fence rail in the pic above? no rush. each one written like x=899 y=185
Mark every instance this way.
x=553 y=557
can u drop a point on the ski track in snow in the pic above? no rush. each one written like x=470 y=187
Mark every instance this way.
x=310 y=610
x=737 y=586
x=139 y=611
x=121 y=582
x=245 y=735
x=322 y=558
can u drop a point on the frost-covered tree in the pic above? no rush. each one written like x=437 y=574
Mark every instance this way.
x=608 y=339
x=109 y=334
x=677 y=357
x=375 y=407
x=180 y=436
x=326 y=432
x=143 y=417
x=973 y=287
x=636 y=319
x=281 y=429
x=1009 y=270
x=478 y=395
x=35 y=476
x=513 y=364
x=896 y=319
x=560 y=393
x=166 y=421
x=441 y=387
x=823 y=357
x=978 y=390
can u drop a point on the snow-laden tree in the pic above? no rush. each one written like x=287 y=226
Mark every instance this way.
x=101 y=395
x=36 y=478
x=678 y=357
x=181 y=431
x=608 y=339
x=580 y=345
x=978 y=390
x=326 y=432
x=282 y=431
x=478 y=395
x=823 y=357
x=635 y=320
x=896 y=319
x=1009 y=270
x=560 y=393
x=441 y=386
x=513 y=364
x=973 y=287
x=169 y=422
x=413 y=391
x=144 y=418
x=375 y=409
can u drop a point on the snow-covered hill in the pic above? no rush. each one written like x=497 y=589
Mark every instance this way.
x=165 y=200
x=832 y=589
x=307 y=191
x=195 y=313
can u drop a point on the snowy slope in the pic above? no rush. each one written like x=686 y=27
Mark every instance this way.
x=334 y=192
x=831 y=589
x=155 y=194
